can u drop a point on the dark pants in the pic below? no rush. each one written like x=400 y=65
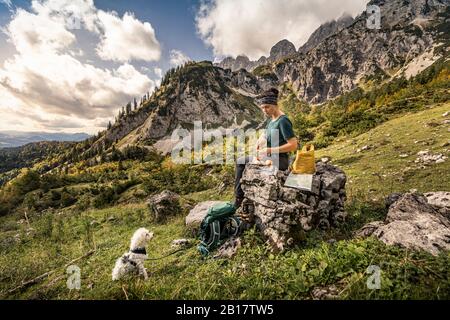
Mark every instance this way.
x=281 y=162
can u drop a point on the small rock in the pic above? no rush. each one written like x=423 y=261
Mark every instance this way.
x=198 y=213
x=368 y=229
x=404 y=155
x=324 y=293
x=446 y=114
x=165 y=204
x=364 y=148
x=392 y=198
x=177 y=243
x=228 y=249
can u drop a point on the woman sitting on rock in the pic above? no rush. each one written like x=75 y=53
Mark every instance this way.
x=274 y=146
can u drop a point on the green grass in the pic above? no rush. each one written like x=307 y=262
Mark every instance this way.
x=380 y=170
x=255 y=273
x=49 y=240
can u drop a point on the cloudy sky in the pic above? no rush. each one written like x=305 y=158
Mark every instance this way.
x=70 y=65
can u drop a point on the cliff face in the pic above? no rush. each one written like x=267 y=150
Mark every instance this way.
x=326 y=30
x=341 y=61
x=341 y=53
x=197 y=92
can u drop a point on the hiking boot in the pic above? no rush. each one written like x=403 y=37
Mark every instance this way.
x=246 y=211
x=238 y=202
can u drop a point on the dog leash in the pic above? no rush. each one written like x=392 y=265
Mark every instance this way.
x=167 y=255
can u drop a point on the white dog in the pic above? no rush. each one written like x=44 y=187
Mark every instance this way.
x=133 y=260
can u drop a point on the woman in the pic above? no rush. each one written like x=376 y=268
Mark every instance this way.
x=279 y=139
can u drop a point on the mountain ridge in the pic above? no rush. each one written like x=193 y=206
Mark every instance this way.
x=11 y=139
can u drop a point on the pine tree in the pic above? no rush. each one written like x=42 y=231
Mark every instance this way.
x=109 y=125
x=128 y=106
x=135 y=104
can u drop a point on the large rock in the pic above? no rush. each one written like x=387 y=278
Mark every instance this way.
x=284 y=214
x=412 y=222
x=164 y=204
x=440 y=200
x=198 y=213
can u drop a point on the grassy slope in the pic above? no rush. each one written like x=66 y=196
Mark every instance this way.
x=254 y=273
x=380 y=170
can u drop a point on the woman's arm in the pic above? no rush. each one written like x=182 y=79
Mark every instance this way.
x=262 y=142
x=291 y=145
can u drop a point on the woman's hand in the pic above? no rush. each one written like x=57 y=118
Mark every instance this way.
x=263 y=153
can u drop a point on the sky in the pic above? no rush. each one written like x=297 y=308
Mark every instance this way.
x=70 y=65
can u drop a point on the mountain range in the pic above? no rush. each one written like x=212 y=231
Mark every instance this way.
x=11 y=139
x=339 y=57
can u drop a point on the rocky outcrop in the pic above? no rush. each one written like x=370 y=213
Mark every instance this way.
x=440 y=201
x=198 y=213
x=281 y=50
x=219 y=98
x=326 y=30
x=283 y=214
x=164 y=205
x=354 y=54
x=415 y=222
x=342 y=53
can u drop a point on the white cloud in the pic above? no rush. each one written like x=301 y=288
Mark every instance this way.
x=73 y=13
x=37 y=33
x=178 y=58
x=252 y=27
x=127 y=39
x=44 y=86
x=158 y=72
x=7 y=3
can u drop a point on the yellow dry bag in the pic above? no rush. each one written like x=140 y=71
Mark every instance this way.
x=305 y=162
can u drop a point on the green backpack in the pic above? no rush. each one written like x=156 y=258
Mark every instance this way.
x=218 y=225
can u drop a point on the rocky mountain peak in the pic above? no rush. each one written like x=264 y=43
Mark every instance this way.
x=198 y=91
x=282 y=49
x=279 y=51
x=326 y=30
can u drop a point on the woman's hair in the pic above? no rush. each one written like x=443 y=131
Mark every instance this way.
x=268 y=97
